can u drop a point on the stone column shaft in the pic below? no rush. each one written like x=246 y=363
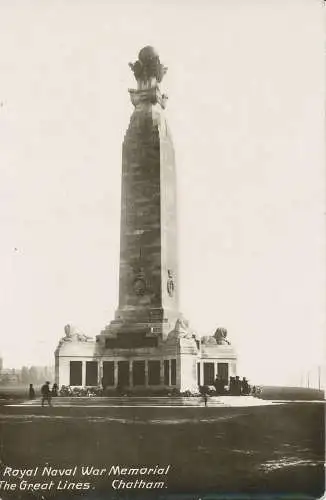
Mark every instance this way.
x=83 y=373
x=146 y=373
x=115 y=373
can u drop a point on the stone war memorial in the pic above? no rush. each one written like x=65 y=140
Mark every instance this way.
x=148 y=346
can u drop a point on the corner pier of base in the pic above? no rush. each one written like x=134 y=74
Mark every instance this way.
x=149 y=346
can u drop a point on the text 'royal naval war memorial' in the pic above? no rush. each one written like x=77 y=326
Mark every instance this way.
x=149 y=345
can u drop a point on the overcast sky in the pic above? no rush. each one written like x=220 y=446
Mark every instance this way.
x=246 y=109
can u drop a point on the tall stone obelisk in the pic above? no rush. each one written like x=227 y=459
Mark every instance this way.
x=148 y=279
x=148 y=346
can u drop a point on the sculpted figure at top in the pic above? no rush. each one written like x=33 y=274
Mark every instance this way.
x=71 y=333
x=148 y=67
x=221 y=336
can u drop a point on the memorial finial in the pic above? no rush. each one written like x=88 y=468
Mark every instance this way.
x=148 y=68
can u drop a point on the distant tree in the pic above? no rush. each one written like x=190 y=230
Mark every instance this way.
x=24 y=375
x=4 y=379
x=48 y=373
x=41 y=375
x=33 y=375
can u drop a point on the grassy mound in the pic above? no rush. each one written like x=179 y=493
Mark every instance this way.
x=291 y=393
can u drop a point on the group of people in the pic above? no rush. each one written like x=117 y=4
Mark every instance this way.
x=46 y=392
x=236 y=387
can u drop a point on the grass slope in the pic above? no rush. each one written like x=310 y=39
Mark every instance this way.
x=259 y=449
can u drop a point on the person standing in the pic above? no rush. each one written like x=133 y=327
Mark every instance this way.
x=204 y=391
x=232 y=386
x=237 y=386
x=31 y=392
x=245 y=389
x=46 y=393
x=54 y=391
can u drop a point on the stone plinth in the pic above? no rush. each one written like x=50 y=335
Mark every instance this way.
x=181 y=362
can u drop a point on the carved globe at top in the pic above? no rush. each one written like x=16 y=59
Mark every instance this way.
x=147 y=53
x=148 y=66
